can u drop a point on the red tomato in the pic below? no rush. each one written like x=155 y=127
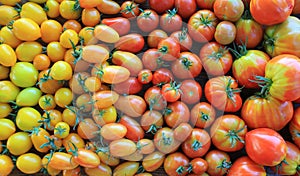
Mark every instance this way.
x=129 y=61
x=223 y=93
x=170 y=21
x=218 y=162
x=148 y=20
x=244 y=165
x=161 y=6
x=151 y=121
x=131 y=42
x=206 y=4
x=170 y=91
x=202 y=25
x=185 y=7
x=225 y=32
x=131 y=86
x=198 y=166
x=129 y=9
x=154 y=98
x=294 y=127
x=197 y=144
x=155 y=36
x=152 y=59
x=145 y=76
x=191 y=91
x=296 y=9
x=131 y=105
x=176 y=113
x=120 y=24
x=153 y=161
x=182 y=131
x=279 y=10
x=169 y=48
x=134 y=130
x=228 y=10
x=184 y=39
x=162 y=76
x=265 y=146
x=202 y=115
x=175 y=164
x=164 y=140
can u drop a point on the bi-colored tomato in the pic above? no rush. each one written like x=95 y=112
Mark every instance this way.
x=244 y=165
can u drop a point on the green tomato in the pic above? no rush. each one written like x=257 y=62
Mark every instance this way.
x=24 y=74
x=29 y=96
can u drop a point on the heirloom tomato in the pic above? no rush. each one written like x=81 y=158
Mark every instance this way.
x=176 y=113
x=120 y=24
x=148 y=20
x=175 y=164
x=265 y=146
x=215 y=58
x=225 y=32
x=191 y=91
x=129 y=9
x=170 y=21
x=223 y=93
x=29 y=163
x=202 y=25
x=184 y=39
x=153 y=161
x=283 y=38
x=271 y=12
x=202 y=115
x=161 y=6
x=169 y=48
x=228 y=133
x=244 y=165
x=294 y=127
x=218 y=162
x=228 y=10
x=260 y=111
x=6 y=165
x=164 y=140
x=26 y=29
x=33 y=11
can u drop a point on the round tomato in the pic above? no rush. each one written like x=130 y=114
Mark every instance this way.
x=185 y=7
x=6 y=164
x=151 y=121
x=63 y=97
x=145 y=76
x=148 y=20
x=184 y=39
x=61 y=130
x=19 y=143
x=244 y=165
x=176 y=113
x=129 y=9
x=24 y=74
x=202 y=115
x=164 y=140
x=50 y=31
x=152 y=59
x=52 y=8
x=198 y=166
x=162 y=76
x=161 y=6
x=171 y=91
x=29 y=163
x=228 y=10
x=170 y=21
x=169 y=48
x=191 y=91
x=225 y=32
x=175 y=164
x=69 y=10
x=218 y=162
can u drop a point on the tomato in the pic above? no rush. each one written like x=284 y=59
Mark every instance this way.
x=23 y=74
x=289 y=166
x=33 y=11
x=41 y=62
x=145 y=76
x=5 y=110
x=101 y=169
x=294 y=127
x=223 y=93
x=90 y=17
x=28 y=118
x=154 y=98
x=164 y=140
x=122 y=147
x=22 y=53
x=69 y=115
x=120 y=24
x=133 y=43
x=28 y=97
x=69 y=10
x=55 y=51
x=170 y=21
x=187 y=66
x=152 y=59
x=8 y=56
x=4 y=72
x=105 y=98
x=184 y=39
x=92 y=84
x=87 y=4
x=127 y=168
x=61 y=70
x=218 y=162
x=104 y=116
x=128 y=60
x=280 y=10
x=129 y=9
x=29 y=163
x=228 y=10
x=6 y=164
x=19 y=143
x=228 y=133
x=280 y=75
x=202 y=25
x=209 y=4
x=47 y=84
x=185 y=7
x=171 y=91
x=283 y=38
x=296 y=9
x=197 y=144
x=162 y=76
x=52 y=8
x=8 y=37
x=215 y=58
x=87 y=36
x=73 y=138
x=153 y=161
x=107 y=158
x=62 y=161
x=9 y=91
x=94 y=54
x=266 y=111
x=155 y=36
x=151 y=121
x=249 y=64
x=182 y=131
x=72 y=172
x=73 y=25
x=244 y=165
x=130 y=86
x=265 y=146
x=63 y=97
x=76 y=83
x=49 y=169
x=69 y=38
x=7 y=13
x=10 y=2
x=145 y=146
x=50 y=31
x=176 y=113
x=8 y=128
x=109 y=7
x=198 y=166
x=131 y=105
x=191 y=91
x=51 y=118
x=161 y=6
x=113 y=131
x=169 y=48
x=225 y=32
x=87 y=128
x=61 y=130
x=134 y=130
x=85 y=158
x=26 y=29
x=202 y=115
x=175 y=164
x=147 y=20
x=115 y=74
x=40 y=139
x=106 y=33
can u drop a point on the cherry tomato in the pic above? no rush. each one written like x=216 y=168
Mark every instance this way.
x=101 y=169
x=155 y=36
x=127 y=168
x=131 y=105
x=218 y=162
x=19 y=143
x=7 y=14
x=120 y=24
x=8 y=128
x=198 y=166
x=129 y=9
x=109 y=7
x=122 y=147
x=69 y=10
x=23 y=74
x=225 y=32
x=185 y=7
x=90 y=17
x=202 y=115
x=29 y=163
x=128 y=60
x=9 y=91
x=148 y=20
x=50 y=31
x=106 y=33
x=175 y=163
x=164 y=140
x=133 y=43
x=33 y=11
x=28 y=118
x=87 y=128
x=63 y=97
x=6 y=164
x=170 y=21
x=26 y=29
x=87 y=4
x=8 y=56
x=113 y=131
x=5 y=110
x=182 y=131
x=153 y=161
x=184 y=39
x=8 y=37
x=62 y=161
x=151 y=121
x=52 y=8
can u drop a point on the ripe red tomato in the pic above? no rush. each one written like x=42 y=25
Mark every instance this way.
x=151 y=121
x=154 y=98
x=202 y=25
x=176 y=113
x=164 y=140
x=184 y=39
x=161 y=6
x=155 y=36
x=132 y=42
x=171 y=91
x=169 y=48
x=218 y=162
x=202 y=115
x=148 y=20
x=265 y=146
x=129 y=9
x=131 y=86
x=280 y=10
x=175 y=164
x=207 y=4
x=198 y=166
x=162 y=76
x=185 y=7
x=152 y=59
x=134 y=130
x=145 y=76
x=244 y=165
x=191 y=91
x=131 y=105
x=197 y=144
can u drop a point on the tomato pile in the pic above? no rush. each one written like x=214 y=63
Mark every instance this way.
x=158 y=87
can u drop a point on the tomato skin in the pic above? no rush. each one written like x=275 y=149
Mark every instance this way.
x=218 y=162
x=148 y=20
x=87 y=128
x=129 y=9
x=28 y=118
x=266 y=112
x=151 y=121
x=8 y=128
x=151 y=59
x=280 y=10
x=29 y=163
x=170 y=21
x=38 y=138
x=294 y=127
x=247 y=66
x=174 y=164
x=68 y=11
x=120 y=24
x=8 y=56
x=6 y=165
x=73 y=138
x=184 y=39
x=26 y=29
x=244 y=165
x=7 y=37
x=161 y=6
x=90 y=17
x=106 y=33
x=228 y=133
x=153 y=161
x=5 y=110
x=128 y=60
x=228 y=10
x=33 y=11
x=131 y=105
x=283 y=38
x=14 y=141
x=177 y=113
x=145 y=76
x=9 y=91
x=7 y=13
x=154 y=98
x=164 y=140
x=122 y=147
x=296 y=9
x=162 y=76
x=62 y=161
x=205 y=31
x=134 y=130
x=198 y=166
x=169 y=48
x=52 y=8
x=185 y=7
x=263 y=142
x=225 y=32
x=130 y=86
x=216 y=93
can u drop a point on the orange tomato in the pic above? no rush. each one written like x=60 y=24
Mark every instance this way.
x=52 y=8
x=55 y=51
x=87 y=128
x=50 y=31
x=72 y=24
x=109 y=7
x=41 y=62
x=87 y=4
x=69 y=10
x=90 y=17
x=69 y=38
x=95 y=54
x=105 y=98
x=106 y=34
x=26 y=29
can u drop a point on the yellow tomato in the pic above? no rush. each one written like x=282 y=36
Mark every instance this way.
x=8 y=91
x=28 y=97
x=26 y=51
x=68 y=37
x=51 y=118
x=104 y=116
x=26 y=29
x=106 y=34
x=33 y=11
x=47 y=102
x=69 y=10
x=38 y=1
x=7 y=37
x=5 y=109
x=88 y=36
x=61 y=70
x=19 y=143
x=7 y=14
x=61 y=130
x=7 y=127
x=29 y=163
x=63 y=97
x=69 y=116
x=8 y=56
x=50 y=31
x=10 y=2
x=4 y=72
x=24 y=74
x=52 y=8
x=55 y=51
x=28 y=118
x=6 y=165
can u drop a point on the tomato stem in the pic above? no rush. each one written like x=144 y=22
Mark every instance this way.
x=186 y=63
x=153 y=129
x=180 y=170
x=224 y=165
x=196 y=145
x=204 y=117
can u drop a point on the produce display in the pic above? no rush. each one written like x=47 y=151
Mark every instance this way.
x=150 y=87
